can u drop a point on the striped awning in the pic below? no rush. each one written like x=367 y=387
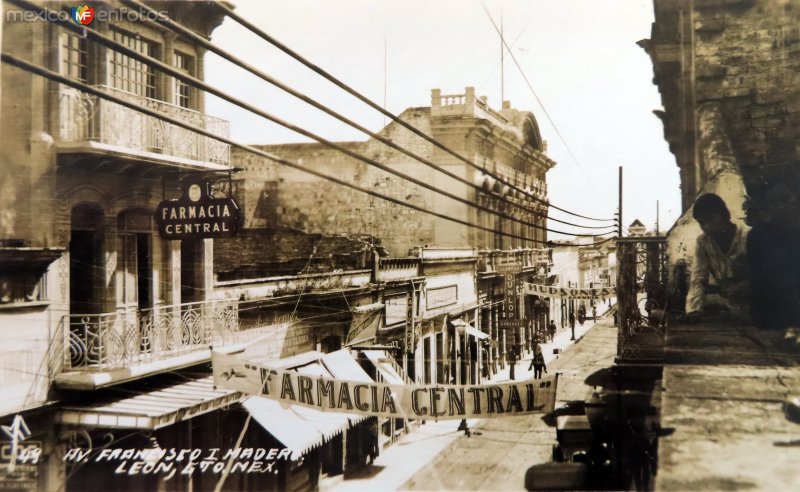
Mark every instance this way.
x=302 y=428
x=151 y=409
x=298 y=428
x=383 y=362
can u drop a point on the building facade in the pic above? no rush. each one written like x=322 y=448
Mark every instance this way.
x=505 y=143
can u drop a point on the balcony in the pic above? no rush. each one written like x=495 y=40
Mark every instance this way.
x=101 y=349
x=89 y=122
x=519 y=260
x=397 y=269
x=642 y=298
x=466 y=104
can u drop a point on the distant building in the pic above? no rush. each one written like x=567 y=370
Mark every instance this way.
x=637 y=228
x=504 y=142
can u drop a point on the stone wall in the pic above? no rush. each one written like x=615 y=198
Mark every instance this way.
x=744 y=56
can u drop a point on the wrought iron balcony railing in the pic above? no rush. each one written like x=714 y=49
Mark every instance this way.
x=641 y=298
x=83 y=118
x=129 y=337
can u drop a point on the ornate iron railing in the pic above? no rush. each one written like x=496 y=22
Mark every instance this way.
x=83 y=117
x=641 y=298
x=131 y=336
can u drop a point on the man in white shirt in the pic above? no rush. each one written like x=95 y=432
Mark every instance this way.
x=719 y=281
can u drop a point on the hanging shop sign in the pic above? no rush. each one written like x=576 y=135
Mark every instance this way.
x=568 y=292
x=197 y=214
x=410 y=401
x=510 y=295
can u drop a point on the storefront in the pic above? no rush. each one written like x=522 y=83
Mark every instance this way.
x=450 y=293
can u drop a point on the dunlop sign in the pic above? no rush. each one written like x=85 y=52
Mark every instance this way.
x=197 y=215
x=443 y=401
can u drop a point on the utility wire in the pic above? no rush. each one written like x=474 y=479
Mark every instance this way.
x=41 y=71
x=188 y=34
x=263 y=35
x=530 y=86
x=205 y=87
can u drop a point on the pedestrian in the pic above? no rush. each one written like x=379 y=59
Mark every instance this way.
x=369 y=440
x=551 y=330
x=537 y=364
x=485 y=360
x=512 y=360
x=594 y=313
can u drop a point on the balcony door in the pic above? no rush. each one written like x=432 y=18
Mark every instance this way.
x=136 y=244
x=86 y=266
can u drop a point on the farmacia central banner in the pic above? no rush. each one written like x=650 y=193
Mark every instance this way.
x=410 y=401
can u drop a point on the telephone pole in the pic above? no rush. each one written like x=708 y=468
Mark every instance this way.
x=619 y=217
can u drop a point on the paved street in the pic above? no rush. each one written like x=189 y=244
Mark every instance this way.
x=436 y=456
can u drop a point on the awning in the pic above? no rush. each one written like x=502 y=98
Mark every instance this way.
x=469 y=329
x=386 y=366
x=300 y=429
x=343 y=366
x=364 y=326
x=152 y=409
x=22 y=259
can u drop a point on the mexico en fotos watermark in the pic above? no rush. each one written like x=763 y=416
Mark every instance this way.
x=85 y=15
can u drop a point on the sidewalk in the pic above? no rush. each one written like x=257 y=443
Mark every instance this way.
x=401 y=461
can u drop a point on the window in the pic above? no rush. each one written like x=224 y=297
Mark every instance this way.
x=130 y=75
x=73 y=54
x=184 y=92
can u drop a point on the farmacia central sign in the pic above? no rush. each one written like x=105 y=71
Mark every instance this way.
x=197 y=214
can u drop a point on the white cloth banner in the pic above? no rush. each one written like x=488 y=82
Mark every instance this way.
x=568 y=292
x=441 y=401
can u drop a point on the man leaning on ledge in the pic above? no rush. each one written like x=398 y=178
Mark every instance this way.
x=719 y=284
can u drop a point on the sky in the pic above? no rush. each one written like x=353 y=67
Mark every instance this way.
x=580 y=56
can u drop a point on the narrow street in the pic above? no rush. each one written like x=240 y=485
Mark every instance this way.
x=436 y=456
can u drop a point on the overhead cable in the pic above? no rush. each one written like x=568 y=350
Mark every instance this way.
x=535 y=96
x=49 y=74
x=205 y=87
x=263 y=35
x=190 y=35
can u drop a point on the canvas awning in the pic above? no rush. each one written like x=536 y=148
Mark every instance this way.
x=151 y=409
x=364 y=326
x=343 y=366
x=385 y=365
x=470 y=330
x=300 y=429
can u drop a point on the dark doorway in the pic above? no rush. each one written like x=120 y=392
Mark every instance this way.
x=191 y=270
x=330 y=344
x=86 y=270
x=144 y=268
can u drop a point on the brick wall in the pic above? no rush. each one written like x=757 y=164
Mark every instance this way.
x=273 y=195
x=743 y=55
x=259 y=253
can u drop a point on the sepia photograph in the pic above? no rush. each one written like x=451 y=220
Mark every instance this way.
x=399 y=245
